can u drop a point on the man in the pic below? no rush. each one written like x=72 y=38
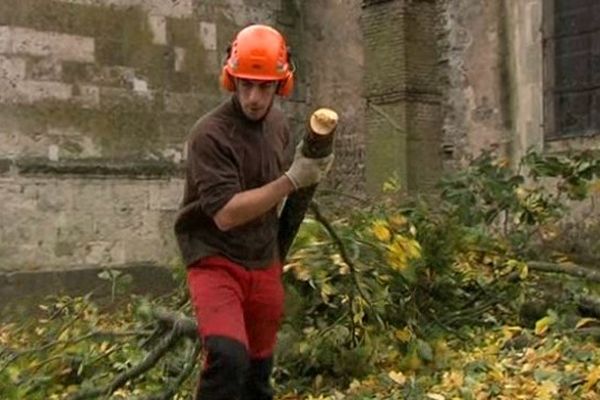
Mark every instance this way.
x=237 y=176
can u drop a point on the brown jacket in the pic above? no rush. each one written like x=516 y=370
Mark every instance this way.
x=228 y=154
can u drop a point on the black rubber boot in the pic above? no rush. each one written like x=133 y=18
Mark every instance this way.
x=224 y=375
x=258 y=382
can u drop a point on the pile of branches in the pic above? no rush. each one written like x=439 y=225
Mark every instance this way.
x=392 y=273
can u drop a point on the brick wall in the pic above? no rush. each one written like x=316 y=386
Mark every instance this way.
x=402 y=92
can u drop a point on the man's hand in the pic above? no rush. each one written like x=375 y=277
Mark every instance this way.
x=306 y=171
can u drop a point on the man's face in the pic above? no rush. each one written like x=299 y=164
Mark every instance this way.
x=255 y=97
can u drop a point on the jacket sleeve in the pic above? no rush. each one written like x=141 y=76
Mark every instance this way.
x=214 y=173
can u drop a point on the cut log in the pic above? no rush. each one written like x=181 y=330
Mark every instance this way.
x=317 y=143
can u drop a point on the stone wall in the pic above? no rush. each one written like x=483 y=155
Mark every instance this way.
x=477 y=90
x=403 y=115
x=493 y=71
x=334 y=64
x=96 y=99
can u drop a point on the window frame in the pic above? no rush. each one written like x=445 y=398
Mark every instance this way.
x=550 y=110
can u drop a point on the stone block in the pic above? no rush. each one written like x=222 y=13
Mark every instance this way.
x=45 y=69
x=16 y=40
x=16 y=197
x=33 y=91
x=178 y=9
x=12 y=68
x=179 y=59
x=98 y=252
x=5 y=165
x=208 y=35
x=158 y=25
x=14 y=143
x=181 y=103
x=115 y=97
x=133 y=194
x=93 y=195
x=87 y=95
x=166 y=196
x=55 y=198
x=212 y=62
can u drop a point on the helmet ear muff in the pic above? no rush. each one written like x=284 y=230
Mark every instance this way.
x=286 y=86
x=226 y=80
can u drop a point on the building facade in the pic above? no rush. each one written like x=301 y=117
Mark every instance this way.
x=97 y=96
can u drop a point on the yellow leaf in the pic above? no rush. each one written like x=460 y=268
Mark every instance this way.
x=63 y=335
x=527 y=367
x=542 y=325
x=381 y=231
x=434 y=396
x=355 y=384
x=585 y=321
x=412 y=361
x=523 y=271
x=511 y=331
x=521 y=193
x=403 y=335
x=496 y=375
x=591 y=379
x=454 y=379
x=398 y=221
x=547 y=391
x=397 y=377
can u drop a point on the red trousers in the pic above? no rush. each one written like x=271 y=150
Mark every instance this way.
x=239 y=312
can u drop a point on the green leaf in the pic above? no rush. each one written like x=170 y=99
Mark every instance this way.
x=424 y=350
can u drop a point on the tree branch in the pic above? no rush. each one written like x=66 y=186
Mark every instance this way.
x=569 y=269
x=182 y=377
x=589 y=306
x=167 y=342
x=185 y=325
x=340 y=245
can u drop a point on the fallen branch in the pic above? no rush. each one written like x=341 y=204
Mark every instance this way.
x=185 y=325
x=15 y=354
x=569 y=269
x=589 y=306
x=340 y=245
x=167 y=342
x=591 y=331
x=319 y=217
x=181 y=378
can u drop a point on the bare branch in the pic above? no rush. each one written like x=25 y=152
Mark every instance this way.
x=185 y=325
x=183 y=376
x=569 y=269
x=167 y=342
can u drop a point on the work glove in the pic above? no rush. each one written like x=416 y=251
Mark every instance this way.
x=306 y=171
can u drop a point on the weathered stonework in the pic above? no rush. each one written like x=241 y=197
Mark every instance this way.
x=493 y=86
x=96 y=99
x=333 y=64
x=402 y=94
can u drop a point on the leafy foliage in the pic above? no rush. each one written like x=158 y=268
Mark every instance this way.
x=431 y=297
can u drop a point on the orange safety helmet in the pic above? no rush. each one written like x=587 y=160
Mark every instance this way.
x=259 y=52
